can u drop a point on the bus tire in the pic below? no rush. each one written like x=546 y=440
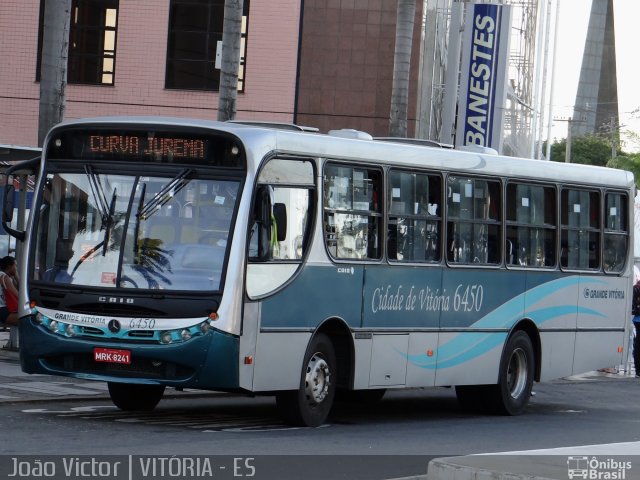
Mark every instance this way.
x=363 y=397
x=511 y=395
x=309 y=406
x=135 y=397
x=471 y=397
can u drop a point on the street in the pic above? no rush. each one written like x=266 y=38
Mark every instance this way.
x=45 y=415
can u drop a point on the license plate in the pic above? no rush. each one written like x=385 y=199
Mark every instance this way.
x=112 y=355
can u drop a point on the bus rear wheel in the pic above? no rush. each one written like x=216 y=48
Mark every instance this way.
x=309 y=406
x=511 y=395
x=135 y=397
x=515 y=380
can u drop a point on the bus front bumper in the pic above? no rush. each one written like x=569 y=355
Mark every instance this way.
x=207 y=362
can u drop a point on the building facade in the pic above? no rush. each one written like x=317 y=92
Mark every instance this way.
x=346 y=65
x=153 y=57
x=320 y=63
x=596 y=105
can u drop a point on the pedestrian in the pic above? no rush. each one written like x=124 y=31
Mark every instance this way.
x=635 y=311
x=9 y=297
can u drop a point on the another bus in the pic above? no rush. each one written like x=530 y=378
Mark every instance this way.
x=182 y=253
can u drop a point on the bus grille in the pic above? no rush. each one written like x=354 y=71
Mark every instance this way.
x=139 y=367
x=90 y=330
x=141 y=333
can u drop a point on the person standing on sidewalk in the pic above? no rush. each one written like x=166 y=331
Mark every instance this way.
x=635 y=311
x=9 y=295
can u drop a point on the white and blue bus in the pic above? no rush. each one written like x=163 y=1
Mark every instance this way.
x=191 y=254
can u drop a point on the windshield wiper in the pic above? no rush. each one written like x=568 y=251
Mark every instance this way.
x=165 y=194
x=136 y=230
x=109 y=224
x=97 y=192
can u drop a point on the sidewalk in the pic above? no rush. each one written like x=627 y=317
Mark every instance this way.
x=615 y=460
x=6 y=354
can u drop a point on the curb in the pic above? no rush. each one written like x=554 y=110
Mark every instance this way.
x=452 y=469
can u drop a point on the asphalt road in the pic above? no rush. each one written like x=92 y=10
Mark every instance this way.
x=43 y=415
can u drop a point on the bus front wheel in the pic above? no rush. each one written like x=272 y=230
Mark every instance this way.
x=135 y=397
x=309 y=406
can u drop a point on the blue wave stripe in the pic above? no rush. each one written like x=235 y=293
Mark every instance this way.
x=471 y=345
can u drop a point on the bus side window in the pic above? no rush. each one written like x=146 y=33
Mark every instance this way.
x=474 y=221
x=414 y=217
x=279 y=228
x=531 y=225
x=352 y=212
x=580 y=229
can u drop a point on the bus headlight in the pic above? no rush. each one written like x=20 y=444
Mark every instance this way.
x=39 y=318
x=205 y=327
x=185 y=334
x=69 y=330
x=165 y=337
x=53 y=326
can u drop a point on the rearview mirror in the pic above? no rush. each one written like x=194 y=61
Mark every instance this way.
x=24 y=168
x=7 y=210
x=280 y=215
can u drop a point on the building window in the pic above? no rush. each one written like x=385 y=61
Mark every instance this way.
x=195 y=36
x=92 y=42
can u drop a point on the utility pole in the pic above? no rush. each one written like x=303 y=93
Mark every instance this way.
x=231 y=40
x=570 y=121
x=614 y=143
x=53 y=65
x=567 y=152
x=406 y=12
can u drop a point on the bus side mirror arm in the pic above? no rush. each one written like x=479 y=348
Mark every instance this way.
x=24 y=168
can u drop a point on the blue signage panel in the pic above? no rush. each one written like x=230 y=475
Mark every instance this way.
x=484 y=70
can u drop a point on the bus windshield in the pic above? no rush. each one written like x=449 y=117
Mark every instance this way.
x=136 y=232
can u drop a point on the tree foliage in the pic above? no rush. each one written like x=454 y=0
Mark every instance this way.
x=629 y=162
x=588 y=150
x=596 y=150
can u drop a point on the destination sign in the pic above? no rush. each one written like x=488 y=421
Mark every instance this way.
x=194 y=147
x=138 y=146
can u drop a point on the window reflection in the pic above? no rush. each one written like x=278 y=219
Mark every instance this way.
x=91 y=232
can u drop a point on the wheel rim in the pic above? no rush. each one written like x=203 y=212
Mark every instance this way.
x=317 y=379
x=517 y=373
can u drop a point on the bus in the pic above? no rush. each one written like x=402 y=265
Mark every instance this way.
x=165 y=252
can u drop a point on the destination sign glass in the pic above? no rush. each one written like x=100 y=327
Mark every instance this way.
x=146 y=146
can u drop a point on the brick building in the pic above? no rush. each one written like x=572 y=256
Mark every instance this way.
x=322 y=63
x=152 y=39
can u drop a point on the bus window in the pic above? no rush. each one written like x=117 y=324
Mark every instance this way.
x=106 y=230
x=352 y=212
x=473 y=221
x=414 y=229
x=279 y=231
x=531 y=225
x=281 y=236
x=580 y=231
x=616 y=232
